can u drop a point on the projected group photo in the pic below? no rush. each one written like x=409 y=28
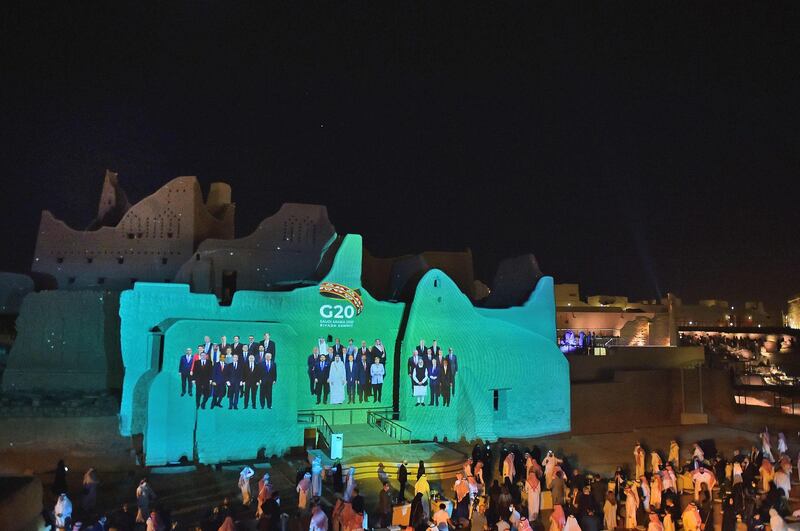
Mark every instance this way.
x=342 y=374
x=233 y=370
x=432 y=374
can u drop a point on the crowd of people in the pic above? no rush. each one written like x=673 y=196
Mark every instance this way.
x=432 y=374
x=656 y=491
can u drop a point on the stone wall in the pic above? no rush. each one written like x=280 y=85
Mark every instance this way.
x=66 y=340
x=633 y=399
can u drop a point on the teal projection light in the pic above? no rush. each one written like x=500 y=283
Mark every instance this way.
x=511 y=380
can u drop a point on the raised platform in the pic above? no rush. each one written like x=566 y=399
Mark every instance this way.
x=365 y=448
x=358 y=435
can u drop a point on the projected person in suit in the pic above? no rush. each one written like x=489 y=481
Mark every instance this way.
x=445 y=381
x=218 y=382
x=379 y=350
x=251 y=376
x=338 y=349
x=237 y=345
x=207 y=344
x=452 y=360
x=350 y=369
x=270 y=347
x=364 y=351
x=215 y=354
x=362 y=378
x=433 y=377
x=260 y=356
x=223 y=344
x=185 y=369
x=312 y=362
x=233 y=380
x=269 y=376
x=321 y=373
x=421 y=348
x=435 y=348
x=245 y=352
x=252 y=346
x=352 y=349
x=377 y=372
x=201 y=372
x=228 y=355
x=428 y=359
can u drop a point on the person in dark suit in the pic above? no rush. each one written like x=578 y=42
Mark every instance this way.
x=445 y=381
x=452 y=360
x=218 y=381
x=402 y=477
x=244 y=353
x=185 y=370
x=435 y=348
x=223 y=344
x=269 y=347
x=378 y=350
x=207 y=345
x=412 y=364
x=351 y=349
x=313 y=360
x=364 y=351
x=321 y=372
x=338 y=348
x=269 y=376
x=433 y=379
x=362 y=378
x=237 y=345
x=251 y=375
x=201 y=372
x=252 y=346
x=421 y=348
x=350 y=369
x=233 y=380
x=428 y=359
x=261 y=354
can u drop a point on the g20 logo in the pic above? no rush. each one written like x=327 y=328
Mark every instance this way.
x=336 y=311
x=353 y=303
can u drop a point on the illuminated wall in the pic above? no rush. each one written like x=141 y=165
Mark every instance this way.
x=497 y=349
x=510 y=351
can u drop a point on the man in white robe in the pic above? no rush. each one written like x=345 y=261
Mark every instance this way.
x=674 y=456
x=62 y=511
x=316 y=477
x=638 y=461
x=703 y=476
x=668 y=479
x=631 y=504
x=550 y=463
x=655 y=462
x=766 y=447
x=244 y=484
x=337 y=381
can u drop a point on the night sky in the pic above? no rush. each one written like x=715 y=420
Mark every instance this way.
x=635 y=149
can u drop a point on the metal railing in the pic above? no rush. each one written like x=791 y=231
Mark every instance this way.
x=388 y=426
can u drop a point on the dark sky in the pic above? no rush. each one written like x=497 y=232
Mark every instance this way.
x=634 y=148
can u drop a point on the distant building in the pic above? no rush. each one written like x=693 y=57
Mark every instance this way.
x=793 y=313
x=611 y=320
x=149 y=242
